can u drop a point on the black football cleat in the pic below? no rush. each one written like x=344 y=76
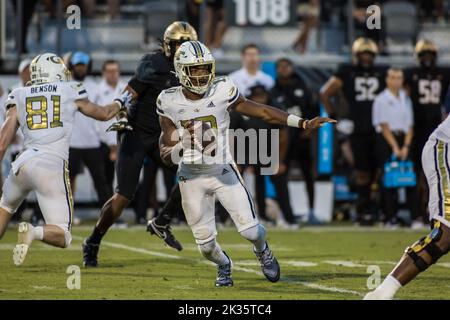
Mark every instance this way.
x=269 y=264
x=224 y=276
x=164 y=233
x=90 y=252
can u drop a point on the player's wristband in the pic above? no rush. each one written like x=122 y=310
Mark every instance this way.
x=293 y=121
x=119 y=103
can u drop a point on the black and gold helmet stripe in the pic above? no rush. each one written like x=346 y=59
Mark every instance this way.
x=198 y=49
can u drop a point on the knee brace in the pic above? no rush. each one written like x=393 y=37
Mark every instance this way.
x=68 y=238
x=427 y=244
x=254 y=233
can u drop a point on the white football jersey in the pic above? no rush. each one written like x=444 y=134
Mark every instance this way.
x=212 y=109
x=442 y=132
x=46 y=114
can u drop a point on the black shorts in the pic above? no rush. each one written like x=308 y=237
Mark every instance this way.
x=133 y=148
x=364 y=151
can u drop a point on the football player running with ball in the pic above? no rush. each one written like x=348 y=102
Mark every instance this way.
x=44 y=111
x=425 y=252
x=206 y=170
x=139 y=133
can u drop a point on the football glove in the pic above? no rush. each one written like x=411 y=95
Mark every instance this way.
x=125 y=99
x=120 y=125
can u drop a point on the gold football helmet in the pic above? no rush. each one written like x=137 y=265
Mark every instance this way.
x=178 y=31
x=425 y=45
x=364 y=45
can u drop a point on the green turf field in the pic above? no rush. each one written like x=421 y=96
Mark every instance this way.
x=316 y=263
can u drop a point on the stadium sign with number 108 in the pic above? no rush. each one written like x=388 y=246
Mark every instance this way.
x=249 y=13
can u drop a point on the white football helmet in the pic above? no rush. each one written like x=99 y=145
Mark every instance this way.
x=48 y=67
x=192 y=54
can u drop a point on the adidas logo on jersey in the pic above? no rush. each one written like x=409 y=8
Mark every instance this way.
x=211 y=105
x=224 y=171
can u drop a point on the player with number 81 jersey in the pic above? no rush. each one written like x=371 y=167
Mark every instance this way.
x=44 y=111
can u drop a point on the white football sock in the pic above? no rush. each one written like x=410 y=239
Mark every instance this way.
x=389 y=287
x=213 y=252
x=38 y=233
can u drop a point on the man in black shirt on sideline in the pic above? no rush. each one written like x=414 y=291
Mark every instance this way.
x=291 y=94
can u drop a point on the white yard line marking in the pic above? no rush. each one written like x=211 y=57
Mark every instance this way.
x=348 y=264
x=42 y=287
x=443 y=264
x=36 y=247
x=170 y=256
x=297 y=263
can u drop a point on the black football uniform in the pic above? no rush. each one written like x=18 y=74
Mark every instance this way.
x=427 y=91
x=154 y=73
x=360 y=87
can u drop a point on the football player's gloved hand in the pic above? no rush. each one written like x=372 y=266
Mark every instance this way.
x=125 y=99
x=122 y=123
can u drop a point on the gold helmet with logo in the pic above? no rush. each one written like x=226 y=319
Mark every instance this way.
x=425 y=45
x=363 y=44
x=177 y=32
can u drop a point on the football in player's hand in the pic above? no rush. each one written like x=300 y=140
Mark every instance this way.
x=203 y=134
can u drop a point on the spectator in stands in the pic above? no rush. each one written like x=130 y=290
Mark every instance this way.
x=250 y=73
x=308 y=12
x=292 y=94
x=215 y=26
x=392 y=117
x=260 y=94
x=110 y=87
x=85 y=140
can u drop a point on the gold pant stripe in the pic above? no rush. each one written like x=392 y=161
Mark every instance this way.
x=69 y=191
x=443 y=172
x=241 y=180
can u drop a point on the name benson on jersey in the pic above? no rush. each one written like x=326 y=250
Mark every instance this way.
x=44 y=88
